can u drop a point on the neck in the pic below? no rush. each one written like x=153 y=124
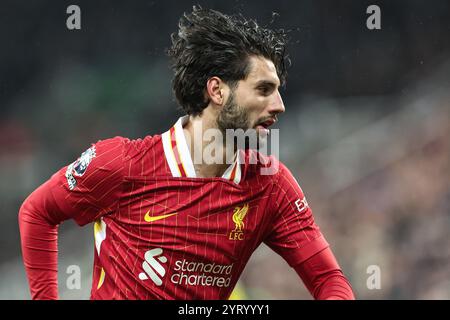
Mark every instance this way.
x=204 y=147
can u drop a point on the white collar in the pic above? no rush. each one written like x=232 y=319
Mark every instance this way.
x=179 y=158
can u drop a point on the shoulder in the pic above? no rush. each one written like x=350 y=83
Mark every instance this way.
x=269 y=168
x=137 y=148
x=129 y=148
x=270 y=171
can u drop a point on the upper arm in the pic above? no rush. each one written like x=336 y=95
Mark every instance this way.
x=294 y=234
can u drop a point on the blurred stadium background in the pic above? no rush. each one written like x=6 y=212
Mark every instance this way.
x=366 y=129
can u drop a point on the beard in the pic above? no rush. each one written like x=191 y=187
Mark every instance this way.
x=233 y=117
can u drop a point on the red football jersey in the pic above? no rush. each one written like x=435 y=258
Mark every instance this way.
x=163 y=233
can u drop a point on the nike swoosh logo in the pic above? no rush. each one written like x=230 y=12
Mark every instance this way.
x=149 y=218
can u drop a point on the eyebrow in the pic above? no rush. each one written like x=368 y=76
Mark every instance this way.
x=266 y=83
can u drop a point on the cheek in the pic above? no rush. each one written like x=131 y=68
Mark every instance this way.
x=255 y=103
x=253 y=110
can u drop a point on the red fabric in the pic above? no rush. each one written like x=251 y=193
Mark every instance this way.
x=44 y=209
x=323 y=277
x=39 y=239
x=198 y=252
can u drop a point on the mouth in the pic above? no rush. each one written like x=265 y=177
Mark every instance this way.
x=264 y=125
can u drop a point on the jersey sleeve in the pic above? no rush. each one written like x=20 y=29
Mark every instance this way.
x=293 y=233
x=84 y=190
x=90 y=186
x=324 y=278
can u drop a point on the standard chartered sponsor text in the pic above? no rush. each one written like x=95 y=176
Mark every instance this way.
x=201 y=274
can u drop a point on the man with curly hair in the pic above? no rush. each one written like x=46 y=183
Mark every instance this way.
x=177 y=216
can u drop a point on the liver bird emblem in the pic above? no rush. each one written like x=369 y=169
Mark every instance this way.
x=239 y=214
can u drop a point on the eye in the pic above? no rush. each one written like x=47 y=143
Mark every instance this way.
x=265 y=90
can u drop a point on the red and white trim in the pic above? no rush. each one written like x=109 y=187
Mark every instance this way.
x=233 y=172
x=179 y=158
x=177 y=151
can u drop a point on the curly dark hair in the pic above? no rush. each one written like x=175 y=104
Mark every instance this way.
x=209 y=43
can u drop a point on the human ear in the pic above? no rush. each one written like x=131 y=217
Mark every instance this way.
x=215 y=90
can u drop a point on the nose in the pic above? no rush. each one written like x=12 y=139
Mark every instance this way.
x=277 y=105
